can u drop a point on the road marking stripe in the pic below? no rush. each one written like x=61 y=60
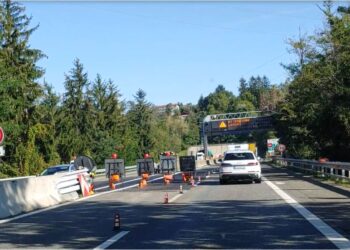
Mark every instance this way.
x=112 y=240
x=337 y=239
x=175 y=198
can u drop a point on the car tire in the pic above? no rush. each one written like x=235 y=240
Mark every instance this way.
x=222 y=182
x=258 y=180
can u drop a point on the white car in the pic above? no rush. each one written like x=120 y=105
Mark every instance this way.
x=240 y=165
x=59 y=169
x=200 y=156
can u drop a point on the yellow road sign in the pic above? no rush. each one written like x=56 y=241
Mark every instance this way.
x=222 y=125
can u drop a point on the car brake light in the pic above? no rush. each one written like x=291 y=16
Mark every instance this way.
x=252 y=163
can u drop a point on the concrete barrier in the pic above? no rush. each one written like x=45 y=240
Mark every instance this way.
x=20 y=195
x=202 y=163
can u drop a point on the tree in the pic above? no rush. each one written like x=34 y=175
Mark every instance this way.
x=221 y=101
x=253 y=90
x=140 y=117
x=76 y=114
x=109 y=124
x=47 y=113
x=19 y=88
x=314 y=119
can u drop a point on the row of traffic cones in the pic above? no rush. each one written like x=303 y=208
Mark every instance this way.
x=166 y=196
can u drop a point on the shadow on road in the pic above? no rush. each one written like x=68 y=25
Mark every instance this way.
x=219 y=224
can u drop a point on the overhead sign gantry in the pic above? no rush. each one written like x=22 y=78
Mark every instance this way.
x=235 y=123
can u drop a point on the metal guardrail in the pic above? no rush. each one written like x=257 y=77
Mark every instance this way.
x=68 y=182
x=329 y=169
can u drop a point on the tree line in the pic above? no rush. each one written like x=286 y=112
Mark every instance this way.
x=314 y=118
x=44 y=128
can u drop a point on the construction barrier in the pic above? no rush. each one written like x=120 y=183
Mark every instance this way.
x=168 y=164
x=145 y=166
x=114 y=166
x=115 y=170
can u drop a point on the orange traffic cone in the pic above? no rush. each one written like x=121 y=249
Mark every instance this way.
x=111 y=185
x=142 y=183
x=113 y=180
x=167 y=178
x=92 y=189
x=145 y=176
x=192 y=182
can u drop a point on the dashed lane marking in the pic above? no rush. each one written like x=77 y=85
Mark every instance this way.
x=112 y=240
x=175 y=198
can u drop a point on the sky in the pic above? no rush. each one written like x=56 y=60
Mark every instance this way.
x=174 y=51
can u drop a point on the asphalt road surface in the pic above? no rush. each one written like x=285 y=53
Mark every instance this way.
x=286 y=210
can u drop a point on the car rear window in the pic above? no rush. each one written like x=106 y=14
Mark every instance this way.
x=239 y=156
x=53 y=170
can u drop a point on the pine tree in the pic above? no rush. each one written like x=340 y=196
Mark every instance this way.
x=140 y=115
x=76 y=116
x=110 y=123
x=19 y=88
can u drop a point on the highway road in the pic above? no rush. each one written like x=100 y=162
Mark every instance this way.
x=286 y=210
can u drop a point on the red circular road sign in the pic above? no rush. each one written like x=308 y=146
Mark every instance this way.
x=2 y=135
x=281 y=147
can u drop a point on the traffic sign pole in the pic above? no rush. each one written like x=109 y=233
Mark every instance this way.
x=2 y=135
x=281 y=148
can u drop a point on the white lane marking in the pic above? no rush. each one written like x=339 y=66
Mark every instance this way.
x=175 y=198
x=120 y=183
x=337 y=239
x=112 y=240
x=70 y=202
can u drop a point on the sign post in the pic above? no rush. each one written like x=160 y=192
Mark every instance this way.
x=271 y=145
x=2 y=136
x=281 y=148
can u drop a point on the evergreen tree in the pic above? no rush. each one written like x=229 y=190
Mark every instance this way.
x=221 y=101
x=19 y=88
x=140 y=117
x=110 y=124
x=76 y=115
x=47 y=113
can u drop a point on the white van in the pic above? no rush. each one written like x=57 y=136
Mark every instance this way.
x=200 y=156
x=239 y=165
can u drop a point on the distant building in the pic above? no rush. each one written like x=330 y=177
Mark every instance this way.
x=171 y=108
